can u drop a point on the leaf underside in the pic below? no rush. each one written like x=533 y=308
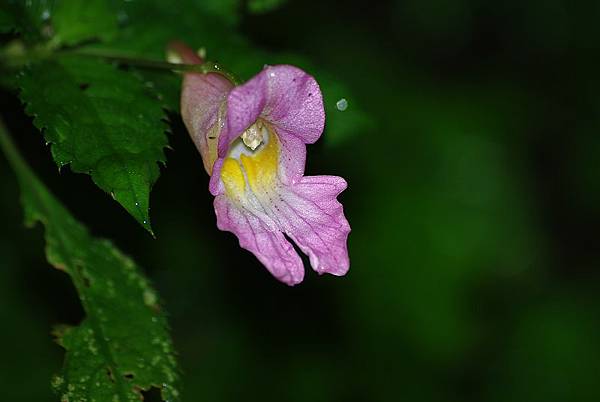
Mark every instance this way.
x=101 y=121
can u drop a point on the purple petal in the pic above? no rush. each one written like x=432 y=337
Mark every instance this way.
x=258 y=234
x=215 y=185
x=307 y=212
x=202 y=110
x=261 y=212
x=285 y=96
x=292 y=158
x=310 y=214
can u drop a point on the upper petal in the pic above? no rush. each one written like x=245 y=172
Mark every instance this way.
x=283 y=95
x=292 y=158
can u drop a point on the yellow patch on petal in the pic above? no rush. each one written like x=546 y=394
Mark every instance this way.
x=261 y=168
x=258 y=169
x=233 y=177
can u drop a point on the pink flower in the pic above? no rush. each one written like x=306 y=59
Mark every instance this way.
x=252 y=140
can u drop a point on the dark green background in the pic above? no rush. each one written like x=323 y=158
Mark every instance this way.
x=474 y=192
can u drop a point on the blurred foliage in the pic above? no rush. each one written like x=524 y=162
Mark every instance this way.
x=470 y=146
x=28 y=17
x=552 y=353
x=74 y=21
x=6 y=23
x=264 y=6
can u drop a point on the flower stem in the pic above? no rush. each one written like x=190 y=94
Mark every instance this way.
x=204 y=68
x=16 y=55
x=8 y=148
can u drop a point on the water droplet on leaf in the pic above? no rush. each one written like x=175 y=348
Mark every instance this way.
x=150 y=298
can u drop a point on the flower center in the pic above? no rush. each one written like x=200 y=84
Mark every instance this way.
x=255 y=135
x=252 y=162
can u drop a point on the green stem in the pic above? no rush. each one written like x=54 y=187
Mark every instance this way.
x=122 y=58
x=10 y=151
x=15 y=55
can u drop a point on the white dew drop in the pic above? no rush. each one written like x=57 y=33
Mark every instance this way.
x=150 y=298
x=57 y=381
x=342 y=104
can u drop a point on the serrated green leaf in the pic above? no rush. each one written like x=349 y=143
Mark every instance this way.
x=122 y=346
x=102 y=121
x=166 y=84
x=75 y=20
